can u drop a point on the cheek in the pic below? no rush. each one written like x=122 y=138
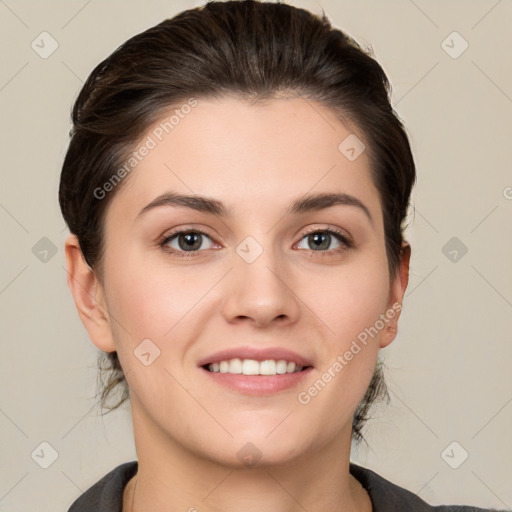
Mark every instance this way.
x=148 y=302
x=152 y=300
x=169 y=306
x=350 y=303
x=351 y=306
x=350 y=299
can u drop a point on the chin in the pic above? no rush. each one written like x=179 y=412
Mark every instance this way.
x=256 y=448
x=254 y=455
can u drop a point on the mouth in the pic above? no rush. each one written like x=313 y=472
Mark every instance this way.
x=237 y=366
x=256 y=371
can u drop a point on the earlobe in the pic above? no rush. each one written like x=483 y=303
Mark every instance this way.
x=88 y=295
x=397 y=292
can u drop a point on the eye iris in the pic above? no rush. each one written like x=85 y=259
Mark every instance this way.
x=189 y=241
x=322 y=238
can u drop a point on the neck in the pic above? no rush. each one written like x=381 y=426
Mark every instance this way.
x=170 y=477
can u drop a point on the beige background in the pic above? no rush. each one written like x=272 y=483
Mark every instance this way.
x=449 y=370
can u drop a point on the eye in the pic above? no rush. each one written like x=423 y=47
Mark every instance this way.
x=321 y=240
x=191 y=241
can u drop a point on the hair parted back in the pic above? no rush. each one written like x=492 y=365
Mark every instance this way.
x=244 y=48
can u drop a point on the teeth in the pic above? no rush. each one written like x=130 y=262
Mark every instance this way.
x=235 y=366
x=290 y=367
x=281 y=367
x=267 y=367
x=250 y=367
x=253 y=367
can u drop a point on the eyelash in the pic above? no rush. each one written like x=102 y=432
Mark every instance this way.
x=328 y=252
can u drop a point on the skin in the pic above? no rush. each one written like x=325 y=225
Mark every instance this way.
x=256 y=159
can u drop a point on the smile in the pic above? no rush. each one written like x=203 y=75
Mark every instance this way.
x=239 y=366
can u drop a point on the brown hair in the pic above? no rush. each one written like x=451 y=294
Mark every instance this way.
x=249 y=49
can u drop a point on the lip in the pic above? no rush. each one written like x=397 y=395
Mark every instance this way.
x=257 y=385
x=256 y=353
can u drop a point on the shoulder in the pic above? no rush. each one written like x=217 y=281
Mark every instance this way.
x=106 y=495
x=388 y=497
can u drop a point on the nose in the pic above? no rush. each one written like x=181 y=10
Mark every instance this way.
x=260 y=292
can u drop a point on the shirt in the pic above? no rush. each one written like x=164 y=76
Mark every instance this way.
x=106 y=495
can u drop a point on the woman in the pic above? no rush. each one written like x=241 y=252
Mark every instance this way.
x=235 y=187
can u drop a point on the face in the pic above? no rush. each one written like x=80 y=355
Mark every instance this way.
x=249 y=268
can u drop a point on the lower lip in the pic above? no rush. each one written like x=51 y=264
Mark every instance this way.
x=258 y=384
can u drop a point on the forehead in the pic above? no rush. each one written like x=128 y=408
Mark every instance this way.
x=247 y=155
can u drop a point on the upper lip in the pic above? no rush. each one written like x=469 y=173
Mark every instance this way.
x=256 y=353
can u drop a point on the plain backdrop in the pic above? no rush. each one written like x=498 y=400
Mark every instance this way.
x=446 y=435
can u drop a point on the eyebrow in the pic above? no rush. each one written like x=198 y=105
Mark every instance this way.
x=311 y=202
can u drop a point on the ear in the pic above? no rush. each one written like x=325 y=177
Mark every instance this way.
x=89 y=296
x=396 y=294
